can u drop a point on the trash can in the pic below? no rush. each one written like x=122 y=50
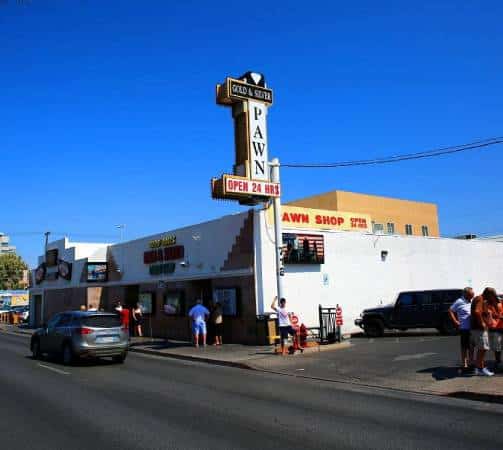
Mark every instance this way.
x=266 y=329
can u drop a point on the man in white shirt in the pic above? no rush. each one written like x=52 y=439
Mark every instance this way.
x=199 y=314
x=460 y=313
x=285 y=327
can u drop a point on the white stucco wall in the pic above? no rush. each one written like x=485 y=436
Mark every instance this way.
x=359 y=279
x=206 y=247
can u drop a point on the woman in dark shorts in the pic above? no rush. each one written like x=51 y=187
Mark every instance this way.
x=217 y=322
x=137 y=320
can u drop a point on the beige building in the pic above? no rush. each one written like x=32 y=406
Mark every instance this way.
x=388 y=215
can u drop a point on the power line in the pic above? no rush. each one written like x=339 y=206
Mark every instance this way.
x=403 y=157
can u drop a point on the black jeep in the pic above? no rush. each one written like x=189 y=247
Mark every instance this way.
x=412 y=309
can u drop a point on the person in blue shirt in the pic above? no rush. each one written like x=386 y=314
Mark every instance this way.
x=460 y=313
x=199 y=314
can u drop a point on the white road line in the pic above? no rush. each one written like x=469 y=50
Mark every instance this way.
x=415 y=356
x=61 y=372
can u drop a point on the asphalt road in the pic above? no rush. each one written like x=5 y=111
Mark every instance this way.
x=151 y=403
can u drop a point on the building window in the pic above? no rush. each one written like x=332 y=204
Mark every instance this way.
x=391 y=228
x=424 y=230
x=377 y=227
x=408 y=229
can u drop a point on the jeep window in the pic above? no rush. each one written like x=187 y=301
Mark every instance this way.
x=406 y=299
x=423 y=298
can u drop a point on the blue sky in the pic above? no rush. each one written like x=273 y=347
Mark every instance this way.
x=108 y=115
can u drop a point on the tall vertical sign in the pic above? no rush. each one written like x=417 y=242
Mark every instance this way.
x=254 y=179
x=257 y=132
x=250 y=181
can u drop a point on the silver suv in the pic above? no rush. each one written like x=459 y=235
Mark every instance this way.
x=76 y=334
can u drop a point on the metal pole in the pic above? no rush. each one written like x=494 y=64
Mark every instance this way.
x=47 y=233
x=278 y=237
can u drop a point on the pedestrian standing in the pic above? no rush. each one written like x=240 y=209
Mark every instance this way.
x=495 y=325
x=138 y=320
x=480 y=331
x=285 y=327
x=218 y=323
x=199 y=314
x=460 y=312
x=124 y=315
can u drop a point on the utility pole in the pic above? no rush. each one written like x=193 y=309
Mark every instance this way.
x=278 y=235
x=47 y=233
x=121 y=238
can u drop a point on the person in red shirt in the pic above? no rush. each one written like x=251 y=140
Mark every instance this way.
x=124 y=315
x=480 y=322
x=495 y=324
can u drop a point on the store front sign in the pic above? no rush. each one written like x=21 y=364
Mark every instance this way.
x=250 y=100
x=160 y=269
x=165 y=241
x=163 y=254
x=233 y=90
x=161 y=258
x=242 y=185
x=257 y=133
x=320 y=219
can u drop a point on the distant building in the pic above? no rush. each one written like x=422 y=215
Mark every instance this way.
x=389 y=215
x=5 y=247
x=497 y=238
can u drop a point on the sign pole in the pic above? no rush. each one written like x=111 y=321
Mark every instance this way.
x=278 y=235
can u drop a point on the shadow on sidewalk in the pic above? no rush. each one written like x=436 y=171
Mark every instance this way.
x=447 y=373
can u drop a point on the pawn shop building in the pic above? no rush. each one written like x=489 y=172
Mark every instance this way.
x=330 y=257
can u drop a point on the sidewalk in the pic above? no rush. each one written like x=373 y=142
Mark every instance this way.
x=236 y=355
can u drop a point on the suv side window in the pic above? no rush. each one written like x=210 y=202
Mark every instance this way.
x=452 y=296
x=423 y=298
x=54 y=320
x=406 y=299
x=65 y=320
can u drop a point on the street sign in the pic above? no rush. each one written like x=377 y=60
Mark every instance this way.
x=338 y=316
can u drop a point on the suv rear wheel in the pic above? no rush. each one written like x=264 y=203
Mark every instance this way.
x=67 y=354
x=374 y=328
x=119 y=359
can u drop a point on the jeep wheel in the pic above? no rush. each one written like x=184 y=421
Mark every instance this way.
x=374 y=328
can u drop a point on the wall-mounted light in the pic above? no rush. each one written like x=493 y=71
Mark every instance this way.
x=184 y=263
x=384 y=255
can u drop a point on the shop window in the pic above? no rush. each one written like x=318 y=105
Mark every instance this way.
x=408 y=229
x=391 y=228
x=146 y=301
x=229 y=299
x=174 y=303
x=424 y=230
